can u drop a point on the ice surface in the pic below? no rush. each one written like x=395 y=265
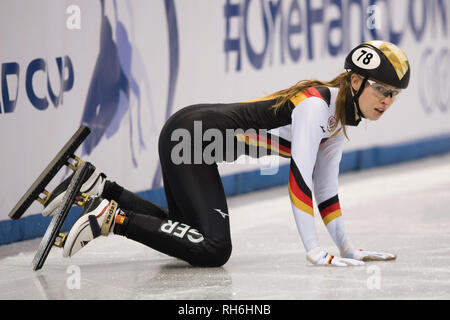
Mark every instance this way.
x=404 y=209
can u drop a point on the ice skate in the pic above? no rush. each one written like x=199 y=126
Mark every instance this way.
x=92 y=186
x=97 y=219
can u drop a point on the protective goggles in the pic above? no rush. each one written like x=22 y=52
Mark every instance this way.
x=382 y=91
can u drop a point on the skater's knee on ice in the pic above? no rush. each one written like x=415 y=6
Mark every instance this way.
x=222 y=255
x=216 y=256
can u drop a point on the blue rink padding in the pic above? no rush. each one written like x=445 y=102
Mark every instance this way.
x=34 y=226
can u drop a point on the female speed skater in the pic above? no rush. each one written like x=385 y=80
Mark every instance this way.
x=310 y=119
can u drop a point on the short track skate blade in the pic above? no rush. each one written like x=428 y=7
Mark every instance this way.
x=58 y=218
x=61 y=159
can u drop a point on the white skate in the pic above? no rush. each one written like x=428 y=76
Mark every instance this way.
x=97 y=219
x=92 y=186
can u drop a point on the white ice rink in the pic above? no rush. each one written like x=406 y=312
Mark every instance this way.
x=404 y=209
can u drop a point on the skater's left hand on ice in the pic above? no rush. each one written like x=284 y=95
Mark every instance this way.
x=366 y=255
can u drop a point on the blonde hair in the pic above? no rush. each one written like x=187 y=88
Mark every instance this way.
x=341 y=82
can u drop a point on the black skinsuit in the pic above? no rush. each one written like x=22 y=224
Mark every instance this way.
x=196 y=226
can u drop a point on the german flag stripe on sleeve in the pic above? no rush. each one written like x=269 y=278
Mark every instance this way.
x=323 y=141
x=330 y=209
x=299 y=192
x=319 y=92
x=337 y=131
x=282 y=147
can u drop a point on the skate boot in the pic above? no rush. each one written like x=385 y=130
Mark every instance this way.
x=92 y=186
x=97 y=219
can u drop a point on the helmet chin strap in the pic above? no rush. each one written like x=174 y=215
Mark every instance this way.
x=357 y=94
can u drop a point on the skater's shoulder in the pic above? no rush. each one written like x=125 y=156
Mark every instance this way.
x=312 y=93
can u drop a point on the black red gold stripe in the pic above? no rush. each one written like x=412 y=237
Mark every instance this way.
x=319 y=92
x=330 y=259
x=119 y=219
x=330 y=209
x=333 y=135
x=299 y=192
x=271 y=142
x=323 y=141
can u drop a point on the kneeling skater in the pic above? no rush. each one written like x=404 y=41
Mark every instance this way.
x=310 y=119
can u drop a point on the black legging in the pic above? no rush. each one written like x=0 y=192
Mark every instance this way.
x=196 y=226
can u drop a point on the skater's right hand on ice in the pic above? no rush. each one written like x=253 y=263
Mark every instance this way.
x=365 y=255
x=319 y=257
x=348 y=251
